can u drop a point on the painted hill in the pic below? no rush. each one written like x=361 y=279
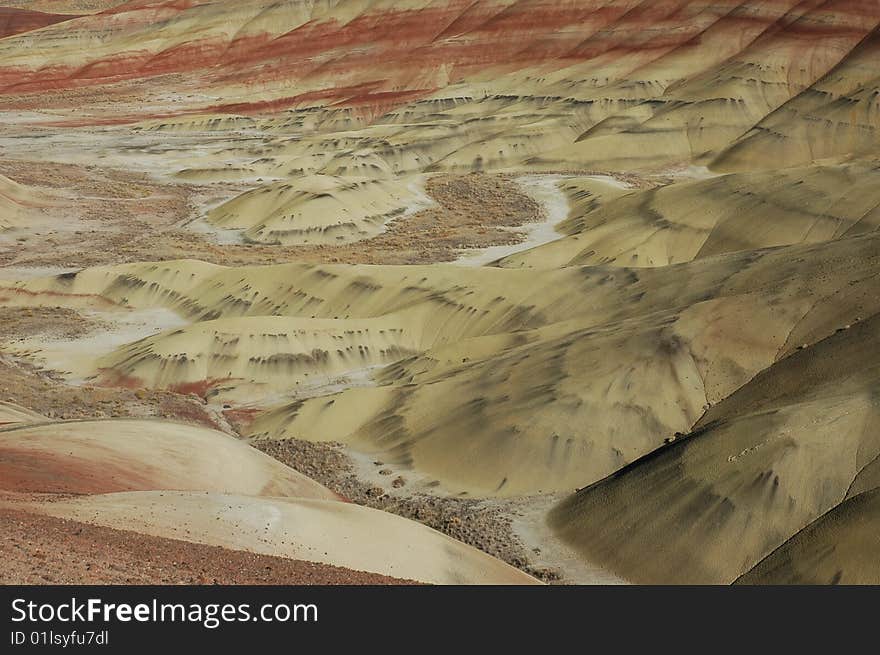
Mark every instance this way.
x=286 y=207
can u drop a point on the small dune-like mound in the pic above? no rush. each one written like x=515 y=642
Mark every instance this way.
x=318 y=209
x=257 y=355
x=88 y=457
x=342 y=534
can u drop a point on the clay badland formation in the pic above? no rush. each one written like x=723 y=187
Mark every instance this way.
x=440 y=291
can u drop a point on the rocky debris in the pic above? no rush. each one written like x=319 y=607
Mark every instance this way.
x=484 y=524
x=46 y=393
x=56 y=322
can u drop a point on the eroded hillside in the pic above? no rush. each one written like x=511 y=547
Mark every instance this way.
x=589 y=285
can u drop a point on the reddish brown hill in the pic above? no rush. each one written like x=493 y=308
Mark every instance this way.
x=15 y=21
x=265 y=56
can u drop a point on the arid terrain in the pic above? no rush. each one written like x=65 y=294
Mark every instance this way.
x=440 y=291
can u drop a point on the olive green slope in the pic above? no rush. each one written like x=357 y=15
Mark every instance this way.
x=690 y=220
x=762 y=465
x=560 y=406
x=841 y=547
